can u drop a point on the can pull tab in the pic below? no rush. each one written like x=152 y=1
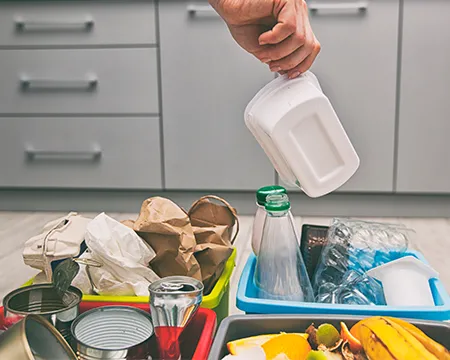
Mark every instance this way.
x=172 y=287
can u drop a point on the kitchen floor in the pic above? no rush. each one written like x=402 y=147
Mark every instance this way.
x=433 y=240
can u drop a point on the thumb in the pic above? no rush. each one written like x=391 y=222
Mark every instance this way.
x=286 y=25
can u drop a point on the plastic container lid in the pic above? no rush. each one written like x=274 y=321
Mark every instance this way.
x=263 y=192
x=298 y=129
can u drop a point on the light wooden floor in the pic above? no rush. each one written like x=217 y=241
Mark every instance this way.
x=433 y=240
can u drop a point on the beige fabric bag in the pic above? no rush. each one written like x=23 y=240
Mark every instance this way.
x=59 y=239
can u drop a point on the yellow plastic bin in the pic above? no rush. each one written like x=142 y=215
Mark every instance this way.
x=217 y=299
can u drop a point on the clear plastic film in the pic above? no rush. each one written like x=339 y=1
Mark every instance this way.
x=354 y=247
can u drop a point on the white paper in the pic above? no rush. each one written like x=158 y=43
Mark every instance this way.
x=125 y=258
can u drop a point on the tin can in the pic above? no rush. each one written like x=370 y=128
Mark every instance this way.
x=113 y=332
x=34 y=338
x=174 y=300
x=42 y=299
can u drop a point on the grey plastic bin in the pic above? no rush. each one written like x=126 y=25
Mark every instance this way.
x=240 y=326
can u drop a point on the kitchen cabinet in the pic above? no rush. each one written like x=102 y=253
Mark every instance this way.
x=424 y=122
x=80 y=152
x=357 y=69
x=79 y=95
x=207 y=81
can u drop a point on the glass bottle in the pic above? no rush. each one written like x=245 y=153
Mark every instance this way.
x=280 y=272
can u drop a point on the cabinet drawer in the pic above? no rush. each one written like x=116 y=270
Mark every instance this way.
x=96 y=81
x=80 y=152
x=56 y=23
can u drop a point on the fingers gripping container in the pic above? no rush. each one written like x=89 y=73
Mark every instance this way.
x=299 y=131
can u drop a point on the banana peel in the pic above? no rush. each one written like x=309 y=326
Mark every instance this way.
x=432 y=346
x=384 y=339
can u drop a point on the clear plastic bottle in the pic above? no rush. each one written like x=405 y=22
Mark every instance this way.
x=280 y=272
x=260 y=216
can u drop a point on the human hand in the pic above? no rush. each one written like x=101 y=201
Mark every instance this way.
x=277 y=32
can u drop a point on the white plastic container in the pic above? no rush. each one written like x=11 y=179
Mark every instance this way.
x=298 y=129
x=405 y=282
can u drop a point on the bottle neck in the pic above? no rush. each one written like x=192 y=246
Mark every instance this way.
x=277 y=214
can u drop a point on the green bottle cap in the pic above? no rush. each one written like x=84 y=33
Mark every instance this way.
x=277 y=202
x=263 y=192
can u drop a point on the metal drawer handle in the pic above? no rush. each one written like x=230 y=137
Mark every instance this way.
x=33 y=154
x=193 y=10
x=24 y=25
x=27 y=83
x=359 y=6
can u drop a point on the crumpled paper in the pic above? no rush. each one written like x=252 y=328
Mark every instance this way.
x=213 y=226
x=167 y=229
x=125 y=258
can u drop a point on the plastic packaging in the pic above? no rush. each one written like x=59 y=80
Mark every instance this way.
x=358 y=246
x=280 y=271
x=356 y=288
x=260 y=217
x=313 y=240
x=297 y=127
x=406 y=282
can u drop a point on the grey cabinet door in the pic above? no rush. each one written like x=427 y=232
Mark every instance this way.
x=357 y=71
x=207 y=80
x=424 y=125
x=87 y=152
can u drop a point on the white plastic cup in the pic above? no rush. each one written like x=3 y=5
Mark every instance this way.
x=406 y=282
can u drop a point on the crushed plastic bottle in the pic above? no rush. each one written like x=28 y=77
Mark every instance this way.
x=354 y=247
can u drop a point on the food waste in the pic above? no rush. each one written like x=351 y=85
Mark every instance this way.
x=374 y=338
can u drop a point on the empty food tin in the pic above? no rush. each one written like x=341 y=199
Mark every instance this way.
x=34 y=338
x=113 y=332
x=42 y=299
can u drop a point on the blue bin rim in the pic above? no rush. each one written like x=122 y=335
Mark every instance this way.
x=252 y=305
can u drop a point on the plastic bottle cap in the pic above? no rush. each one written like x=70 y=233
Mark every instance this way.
x=277 y=202
x=262 y=193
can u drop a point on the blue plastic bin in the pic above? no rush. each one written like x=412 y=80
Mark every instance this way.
x=247 y=300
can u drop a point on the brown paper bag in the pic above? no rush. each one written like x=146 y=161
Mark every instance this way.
x=167 y=229
x=213 y=227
